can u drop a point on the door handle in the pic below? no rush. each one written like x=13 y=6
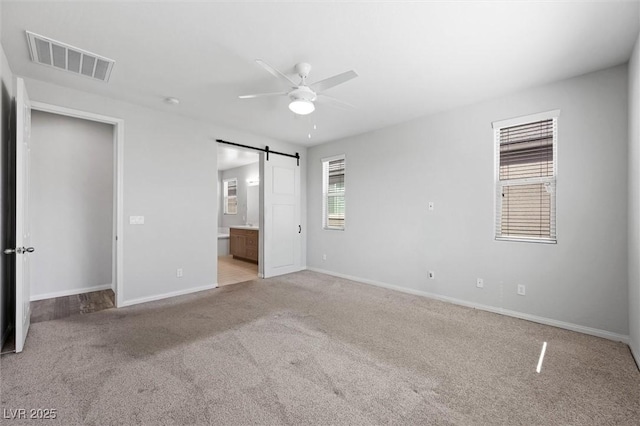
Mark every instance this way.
x=299 y=229
x=20 y=250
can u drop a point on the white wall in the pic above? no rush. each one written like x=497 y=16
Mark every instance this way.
x=72 y=205
x=634 y=201
x=392 y=239
x=170 y=177
x=250 y=171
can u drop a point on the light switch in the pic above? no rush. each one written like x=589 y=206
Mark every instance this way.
x=136 y=220
x=431 y=205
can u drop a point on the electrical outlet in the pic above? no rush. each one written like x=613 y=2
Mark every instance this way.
x=179 y=272
x=432 y=275
x=521 y=290
x=324 y=257
x=480 y=283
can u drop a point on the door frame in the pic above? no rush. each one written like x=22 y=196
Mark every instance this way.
x=118 y=210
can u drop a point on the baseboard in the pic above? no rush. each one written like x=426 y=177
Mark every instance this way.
x=167 y=295
x=70 y=292
x=534 y=318
x=636 y=356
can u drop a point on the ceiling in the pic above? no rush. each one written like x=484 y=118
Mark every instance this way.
x=413 y=58
x=230 y=157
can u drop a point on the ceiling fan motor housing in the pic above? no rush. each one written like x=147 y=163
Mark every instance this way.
x=302 y=93
x=303 y=69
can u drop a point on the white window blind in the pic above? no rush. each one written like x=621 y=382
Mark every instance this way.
x=333 y=172
x=230 y=191
x=526 y=181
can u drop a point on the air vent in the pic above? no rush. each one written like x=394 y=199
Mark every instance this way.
x=59 y=55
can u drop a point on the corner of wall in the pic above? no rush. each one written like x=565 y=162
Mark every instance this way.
x=634 y=202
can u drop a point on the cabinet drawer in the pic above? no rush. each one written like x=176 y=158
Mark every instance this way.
x=252 y=253
x=246 y=232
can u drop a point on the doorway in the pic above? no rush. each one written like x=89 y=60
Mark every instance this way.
x=79 y=189
x=239 y=230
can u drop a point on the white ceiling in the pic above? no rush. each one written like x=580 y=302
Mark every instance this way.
x=230 y=157
x=414 y=58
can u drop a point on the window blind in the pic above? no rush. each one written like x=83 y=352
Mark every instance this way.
x=526 y=181
x=231 y=196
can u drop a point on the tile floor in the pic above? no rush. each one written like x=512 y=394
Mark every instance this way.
x=232 y=271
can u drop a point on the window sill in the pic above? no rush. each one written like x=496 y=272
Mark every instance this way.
x=527 y=240
x=327 y=228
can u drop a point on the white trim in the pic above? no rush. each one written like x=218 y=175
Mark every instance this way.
x=168 y=295
x=71 y=292
x=634 y=355
x=325 y=195
x=118 y=123
x=525 y=119
x=541 y=320
x=527 y=240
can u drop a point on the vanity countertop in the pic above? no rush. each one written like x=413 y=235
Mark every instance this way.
x=246 y=227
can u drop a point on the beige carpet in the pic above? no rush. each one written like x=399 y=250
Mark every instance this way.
x=307 y=348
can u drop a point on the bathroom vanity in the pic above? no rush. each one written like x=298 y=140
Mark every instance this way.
x=243 y=242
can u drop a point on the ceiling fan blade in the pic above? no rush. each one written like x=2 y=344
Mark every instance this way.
x=260 y=95
x=334 y=102
x=328 y=83
x=277 y=74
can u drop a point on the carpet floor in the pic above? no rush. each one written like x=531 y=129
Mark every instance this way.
x=308 y=348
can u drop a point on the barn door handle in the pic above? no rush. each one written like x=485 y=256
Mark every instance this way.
x=299 y=229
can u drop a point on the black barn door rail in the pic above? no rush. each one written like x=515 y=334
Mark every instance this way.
x=265 y=150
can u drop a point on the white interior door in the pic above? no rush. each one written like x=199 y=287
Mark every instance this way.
x=23 y=234
x=281 y=242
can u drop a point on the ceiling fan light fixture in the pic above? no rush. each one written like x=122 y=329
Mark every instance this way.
x=302 y=106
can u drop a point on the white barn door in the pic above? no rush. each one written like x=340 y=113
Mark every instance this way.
x=281 y=232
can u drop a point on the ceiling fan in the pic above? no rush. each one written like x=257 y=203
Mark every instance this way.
x=303 y=95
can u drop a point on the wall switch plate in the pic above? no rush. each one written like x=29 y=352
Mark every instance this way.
x=480 y=283
x=432 y=206
x=179 y=272
x=324 y=257
x=432 y=275
x=136 y=220
x=521 y=289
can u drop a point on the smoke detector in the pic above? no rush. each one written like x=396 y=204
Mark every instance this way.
x=56 y=54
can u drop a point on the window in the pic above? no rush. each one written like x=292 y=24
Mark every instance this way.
x=333 y=206
x=230 y=192
x=526 y=166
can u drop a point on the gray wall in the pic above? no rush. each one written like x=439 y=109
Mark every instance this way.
x=71 y=204
x=392 y=239
x=634 y=201
x=170 y=177
x=243 y=173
